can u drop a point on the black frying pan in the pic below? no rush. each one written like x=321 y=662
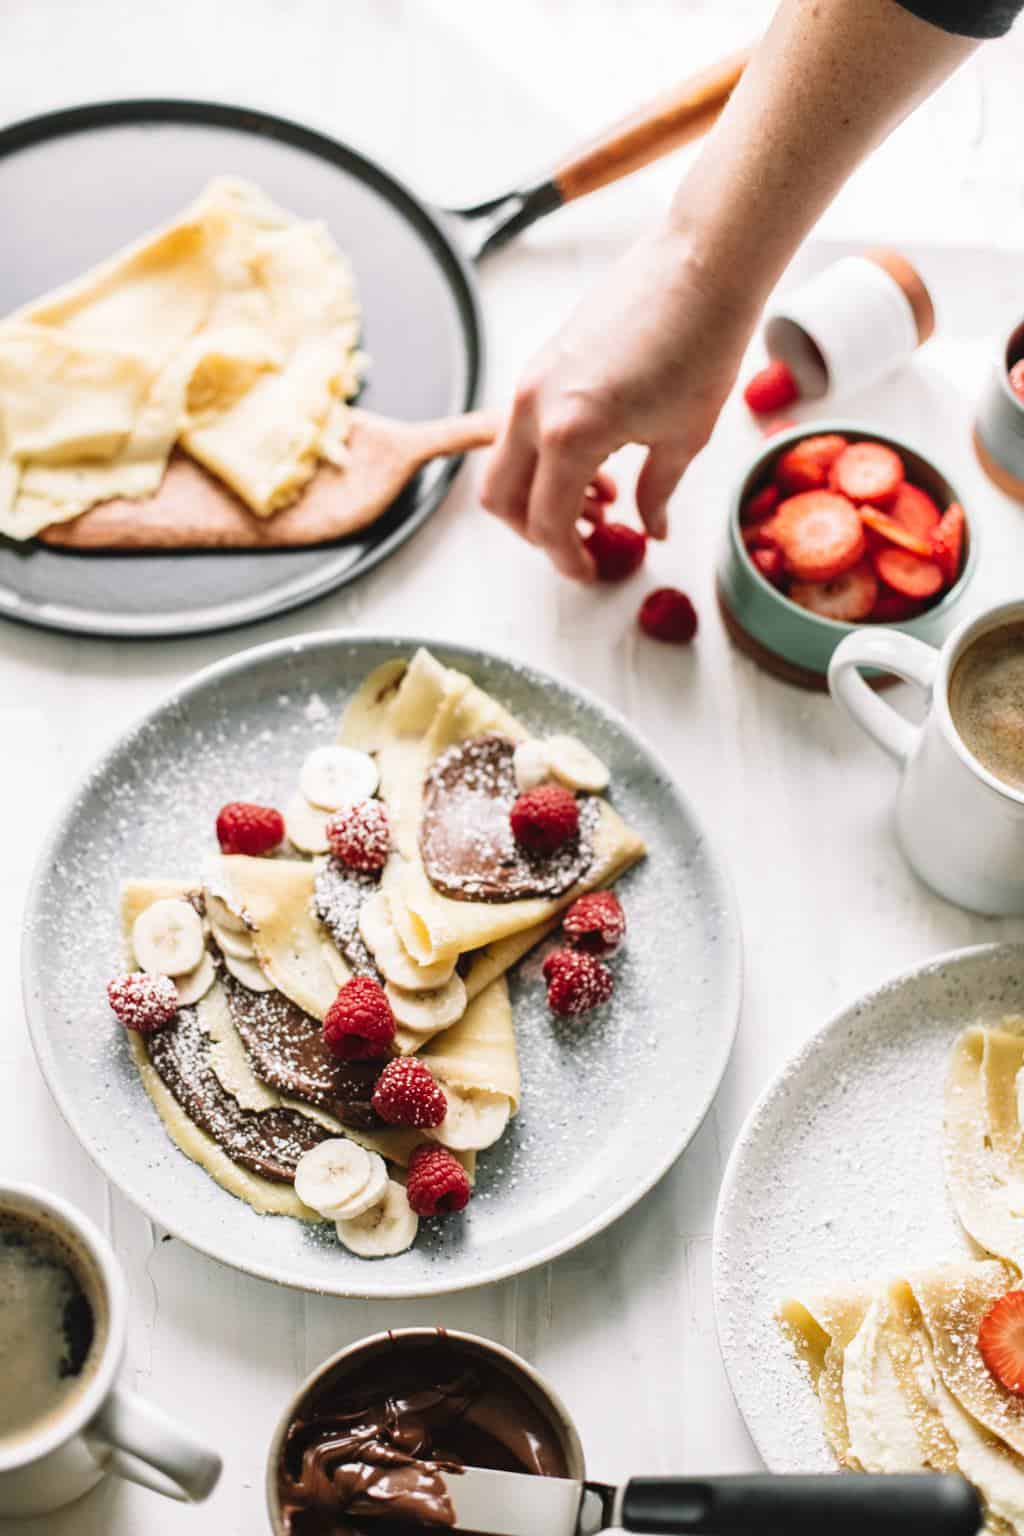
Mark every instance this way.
x=77 y=184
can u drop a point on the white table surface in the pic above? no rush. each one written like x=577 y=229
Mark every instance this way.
x=461 y=96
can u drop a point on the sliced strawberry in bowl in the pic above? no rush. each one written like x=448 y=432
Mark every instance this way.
x=909 y=574
x=915 y=509
x=848 y=599
x=805 y=466
x=894 y=532
x=948 y=542
x=761 y=505
x=893 y=608
x=771 y=565
x=868 y=472
x=820 y=535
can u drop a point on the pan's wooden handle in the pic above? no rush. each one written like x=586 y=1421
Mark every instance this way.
x=664 y=124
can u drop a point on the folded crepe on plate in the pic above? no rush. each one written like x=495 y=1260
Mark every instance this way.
x=221 y=1114
x=230 y=333
x=984 y=1155
x=902 y=1383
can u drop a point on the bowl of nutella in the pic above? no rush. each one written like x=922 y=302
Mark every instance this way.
x=359 y=1445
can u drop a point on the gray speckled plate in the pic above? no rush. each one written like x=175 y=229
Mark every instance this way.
x=837 y=1177
x=607 y=1105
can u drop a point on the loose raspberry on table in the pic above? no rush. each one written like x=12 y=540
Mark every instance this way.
x=771 y=390
x=618 y=550
x=595 y=923
x=667 y=614
x=246 y=828
x=407 y=1093
x=143 y=1002
x=436 y=1182
x=577 y=982
x=545 y=818
x=360 y=836
x=359 y=1023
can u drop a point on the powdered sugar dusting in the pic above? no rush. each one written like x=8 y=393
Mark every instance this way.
x=838 y=1180
x=607 y=1100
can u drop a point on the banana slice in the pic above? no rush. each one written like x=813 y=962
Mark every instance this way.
x=332 y=1176
x=230 y=942
x=575 y=766
x=195 y=984
x=393 y=960
x=474 y=1120
x=306 y=825
x=426 y=1013
x=248 y=972
x=531 y=764
x=385 y=1229
x=332 y=777
x=334 y=962
x=222 y=915
x=168 y=938
x=373 y=1192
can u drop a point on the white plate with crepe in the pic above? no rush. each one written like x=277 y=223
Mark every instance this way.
x=607 y=1105
x=841 y=1179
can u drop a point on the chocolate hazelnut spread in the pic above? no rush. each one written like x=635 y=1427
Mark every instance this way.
x=363 y=1453
x=287 y=1051
x=268 y=1142
x=338 y=896
x=466 y=841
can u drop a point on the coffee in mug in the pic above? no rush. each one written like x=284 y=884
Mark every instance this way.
x=986 y=702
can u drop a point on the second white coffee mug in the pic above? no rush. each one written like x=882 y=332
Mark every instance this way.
x=961 y=828
x=104 y=1428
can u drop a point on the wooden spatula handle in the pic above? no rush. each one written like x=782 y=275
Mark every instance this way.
x=664 y=124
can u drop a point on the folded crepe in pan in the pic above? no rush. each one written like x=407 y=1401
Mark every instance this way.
x=231 y=331
x=984 y=1157
x=405 y=715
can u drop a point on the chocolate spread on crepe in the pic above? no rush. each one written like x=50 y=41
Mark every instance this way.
x=362 y=1455
x=268 y=1142
x=338 y=896
x=466 y=841
x=287 y=1051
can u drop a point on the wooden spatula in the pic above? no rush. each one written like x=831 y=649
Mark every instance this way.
x=193 y=510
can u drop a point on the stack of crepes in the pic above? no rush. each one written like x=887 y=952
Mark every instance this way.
x=901 y=1380
x=262 y=915
x=232 y=331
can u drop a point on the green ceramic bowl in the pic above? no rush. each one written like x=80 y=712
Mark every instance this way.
x=790 y=639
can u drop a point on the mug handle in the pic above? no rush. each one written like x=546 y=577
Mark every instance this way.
x=154 y=1452
x=890 y=651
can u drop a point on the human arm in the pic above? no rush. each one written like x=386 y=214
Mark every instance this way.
x=651 y=353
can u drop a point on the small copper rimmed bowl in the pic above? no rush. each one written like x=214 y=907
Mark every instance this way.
x=999 y=426
x=788 y=640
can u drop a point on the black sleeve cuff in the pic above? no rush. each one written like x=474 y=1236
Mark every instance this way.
x=971 y=18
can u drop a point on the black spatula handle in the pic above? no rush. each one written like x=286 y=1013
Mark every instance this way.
x=843 y=1504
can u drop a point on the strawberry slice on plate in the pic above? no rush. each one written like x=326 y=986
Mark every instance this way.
x=867 y=472
x=848 y=598
x=909 y=574
x=820 y=535
x=1001 y=1340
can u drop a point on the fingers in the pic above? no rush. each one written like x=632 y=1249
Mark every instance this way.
x=602 y=487
x=563 y=473
x=505 y=490
x=661 y=473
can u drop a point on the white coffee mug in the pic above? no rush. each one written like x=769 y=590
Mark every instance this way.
x=960 y=827
x=102 y=1428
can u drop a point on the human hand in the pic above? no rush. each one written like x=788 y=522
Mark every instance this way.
x=648 y=357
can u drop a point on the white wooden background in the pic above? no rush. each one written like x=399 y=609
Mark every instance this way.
x=461 y=96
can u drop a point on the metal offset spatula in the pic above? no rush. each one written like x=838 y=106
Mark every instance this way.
x=832 y=1504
